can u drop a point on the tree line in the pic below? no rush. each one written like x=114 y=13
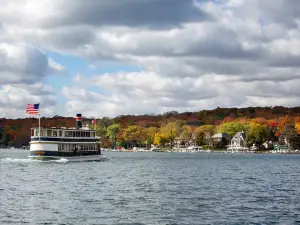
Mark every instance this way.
x=260 y=123
x=258 y=131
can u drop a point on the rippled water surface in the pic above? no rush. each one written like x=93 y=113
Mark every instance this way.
x=151 y=188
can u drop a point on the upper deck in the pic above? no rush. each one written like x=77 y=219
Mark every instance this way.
x=63 y=134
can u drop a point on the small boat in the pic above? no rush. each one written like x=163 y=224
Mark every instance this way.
x=195 y=149
x=72 y=144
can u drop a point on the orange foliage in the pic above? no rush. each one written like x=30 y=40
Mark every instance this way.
x=272 y=116
x=259 y=120
x=284 y=121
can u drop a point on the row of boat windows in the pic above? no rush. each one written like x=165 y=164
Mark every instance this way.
x=77 y=147
x=56 y=133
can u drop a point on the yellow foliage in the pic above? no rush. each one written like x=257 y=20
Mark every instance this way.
x=297 y=126
x=156 y=139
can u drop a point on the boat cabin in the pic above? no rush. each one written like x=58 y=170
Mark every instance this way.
x=63 y=132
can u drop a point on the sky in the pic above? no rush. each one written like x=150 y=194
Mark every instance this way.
x=109 y=58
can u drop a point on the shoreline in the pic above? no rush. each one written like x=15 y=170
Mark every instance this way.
x=271 y=152
x=211 y=151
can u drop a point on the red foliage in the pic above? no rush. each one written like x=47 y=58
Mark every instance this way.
x=19 y=128
x=228 y=118
x=284 y=121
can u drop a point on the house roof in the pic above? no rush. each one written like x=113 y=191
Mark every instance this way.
x=182 y=138
x=238 y=134
x=221 y=135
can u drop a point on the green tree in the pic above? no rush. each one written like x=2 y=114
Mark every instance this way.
x=104 y=122
x=232 y=127
x=257 y=134
x=290 y=133
x=112 y=132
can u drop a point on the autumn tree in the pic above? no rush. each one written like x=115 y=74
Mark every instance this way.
x=171 y=130
x=187 y=130
x=259 y=120
x=149 y=135
x=290 y=133
x=232 y=127
x=283 y=122
x=112 y=132
x=257 y=134
x=203 y=133
x=272 y=126
x=133 y=134
x=104 y=123
x=157 y=140
x=297 y=126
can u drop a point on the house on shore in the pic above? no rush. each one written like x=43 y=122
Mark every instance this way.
x=238 y=142
x=182 y=142
x=220 y=140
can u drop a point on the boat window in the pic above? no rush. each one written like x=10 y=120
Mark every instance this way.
x=49 y=133
x=60 y=133
x=36 y=132
x=55 y=133
x=92 y=134
x=88 y=134
x=42 y=132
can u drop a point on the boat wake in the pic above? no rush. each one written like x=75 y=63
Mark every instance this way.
x=15 y=160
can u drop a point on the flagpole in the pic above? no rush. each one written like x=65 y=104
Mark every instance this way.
x=39 y=127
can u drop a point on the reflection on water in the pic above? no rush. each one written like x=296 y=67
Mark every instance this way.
x=151 y=188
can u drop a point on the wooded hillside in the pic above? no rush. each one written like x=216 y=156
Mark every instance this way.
x=16 y=132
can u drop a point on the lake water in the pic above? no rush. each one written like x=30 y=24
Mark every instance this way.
x=151 y=188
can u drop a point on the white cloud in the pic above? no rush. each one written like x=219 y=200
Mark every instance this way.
x=23 y=63
x=14 y=99
x=197 y=55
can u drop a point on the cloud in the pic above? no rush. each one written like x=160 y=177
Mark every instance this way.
x=14 y=99
x=23 y=69
x=139 y=93
x=194 y=54
x=22 y=63
x=132 y=13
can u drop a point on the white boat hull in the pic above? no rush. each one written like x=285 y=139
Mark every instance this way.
x=68 y=159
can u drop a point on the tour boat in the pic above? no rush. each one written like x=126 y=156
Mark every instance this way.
x=72 y=144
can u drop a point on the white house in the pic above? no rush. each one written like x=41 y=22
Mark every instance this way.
x=238 y=142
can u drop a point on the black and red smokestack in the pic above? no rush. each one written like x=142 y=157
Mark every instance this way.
x=78 y=121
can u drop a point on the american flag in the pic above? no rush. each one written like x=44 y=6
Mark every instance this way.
x=32 y=109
